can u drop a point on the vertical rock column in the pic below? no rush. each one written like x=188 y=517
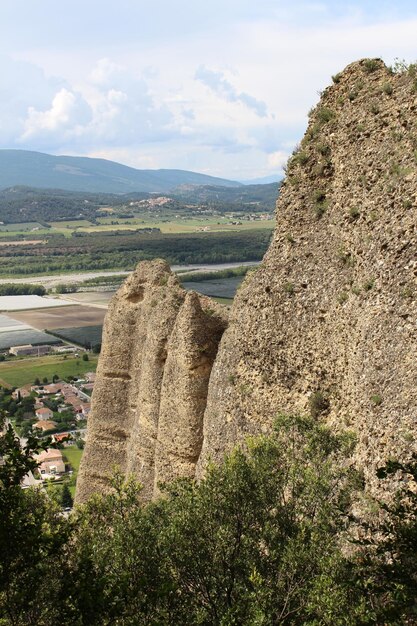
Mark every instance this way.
x=140 y=318
x=192 y=349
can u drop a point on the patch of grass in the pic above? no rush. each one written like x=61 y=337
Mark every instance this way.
x=24 y=371
x=343 y=297
x=346 y=258
x=369 y=284
x=324 y=149
x=300 y=158
x=337 y=77
x=320 y=203
x=225 y=301
x=245 y=390
x=387 y=89
x=407 y=292
x=289 y=288
x=376 y=399
x=354 y=213
x=73 y=456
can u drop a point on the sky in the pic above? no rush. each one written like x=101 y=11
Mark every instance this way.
x=221 y=87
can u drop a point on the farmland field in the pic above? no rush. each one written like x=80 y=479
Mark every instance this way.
x=86 y=336
x=22 y=227
x=24 y=337
x=66 y=317
x=100 y=298
x=72 y=224
x=20 y=372
x=8 y=325
x=171 y=224
x=21 y=303
x=176 y=226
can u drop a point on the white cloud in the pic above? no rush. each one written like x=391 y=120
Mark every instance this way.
x=277 y=160
x=217 y=82
x=67 y=112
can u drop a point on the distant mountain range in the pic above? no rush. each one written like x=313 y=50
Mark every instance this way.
x=36 y=169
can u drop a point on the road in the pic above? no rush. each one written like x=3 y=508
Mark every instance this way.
x=56 y=279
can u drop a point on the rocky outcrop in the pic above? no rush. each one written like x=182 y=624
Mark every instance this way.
x=159 y=344
x=326 y=325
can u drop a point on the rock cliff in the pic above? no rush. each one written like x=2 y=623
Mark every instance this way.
x=326 y=325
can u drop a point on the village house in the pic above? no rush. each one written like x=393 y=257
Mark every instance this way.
x=44 y=413
x=63 y=438
x=45 y=425
x=53 y=388
x=50 y=462
x=85 y=409
x=21 y=392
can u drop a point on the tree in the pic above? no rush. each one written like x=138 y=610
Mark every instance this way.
x=37 y=382
x=55 y=377
x=85 y=356
x=45 y=380
x=32 y=535
x=265 y=526
x=66 y=497
x=386 y=566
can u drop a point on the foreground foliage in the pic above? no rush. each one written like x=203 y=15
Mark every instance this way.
x=257 y=542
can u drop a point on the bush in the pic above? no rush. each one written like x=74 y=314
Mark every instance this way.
x=325 y=114
x=387 y=88
x=371 y=65
x=319 y=404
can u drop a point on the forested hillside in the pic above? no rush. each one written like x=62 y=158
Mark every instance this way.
x=29 y=204
x=36 y=169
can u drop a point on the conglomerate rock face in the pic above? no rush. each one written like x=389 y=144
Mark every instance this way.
x=159 y=344
x=326 y=325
